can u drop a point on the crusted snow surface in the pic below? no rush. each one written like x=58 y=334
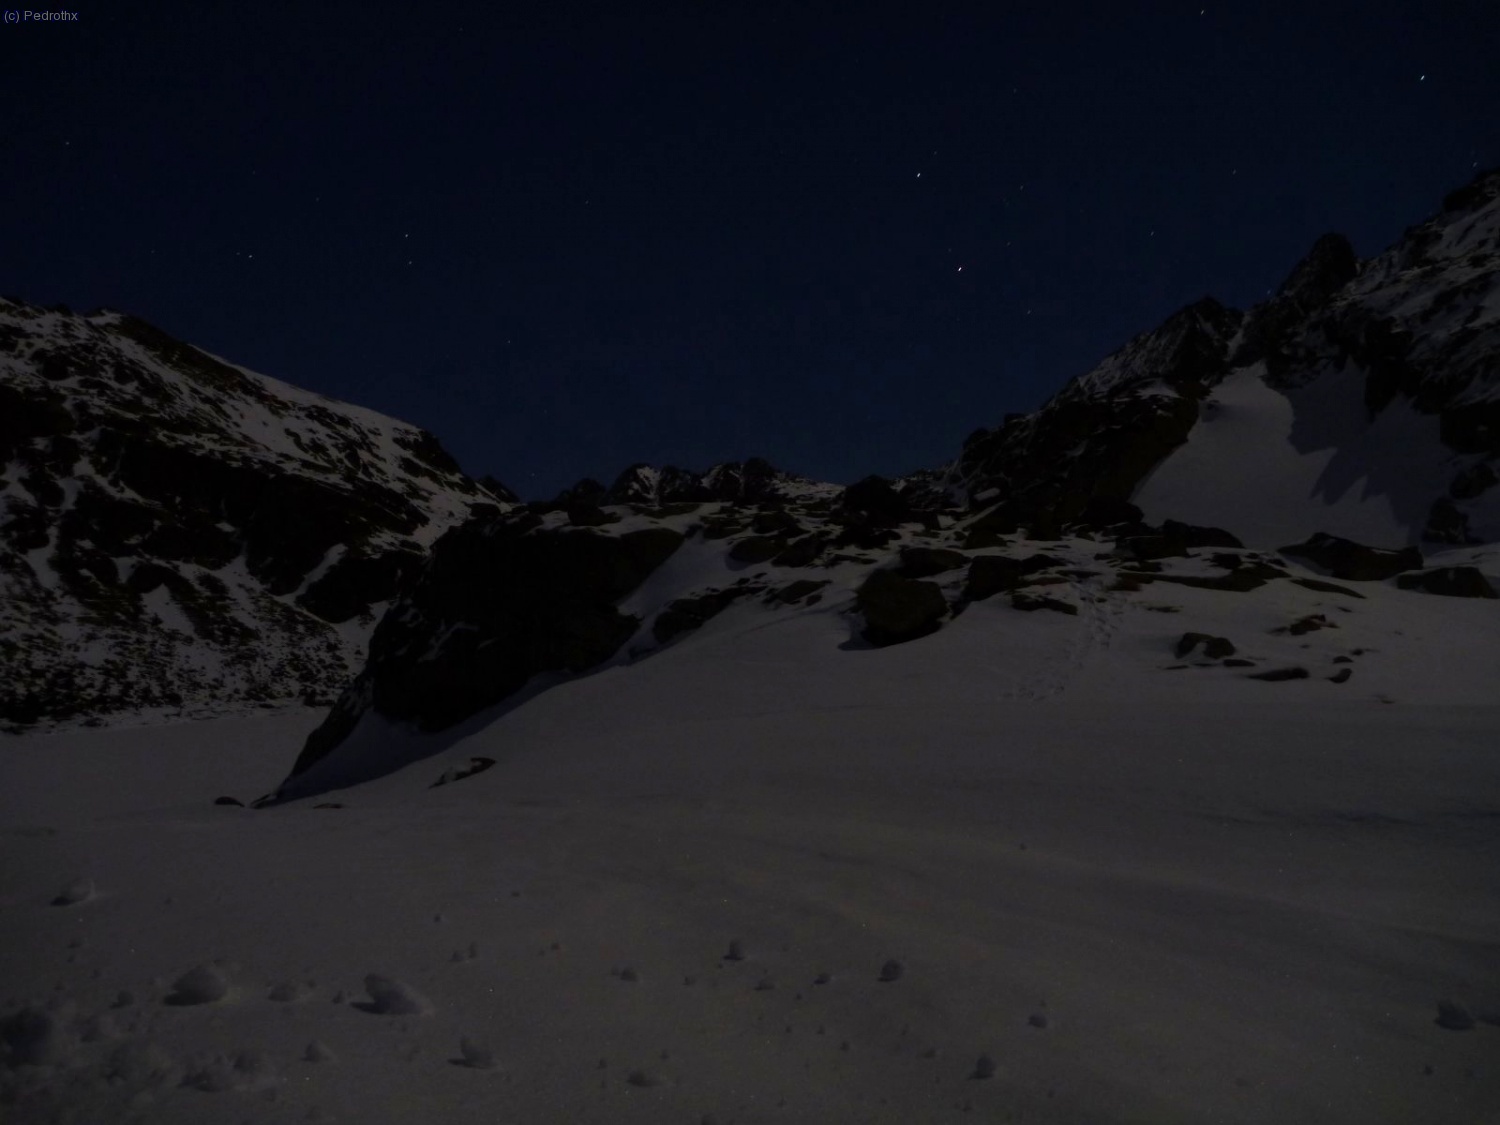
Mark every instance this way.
x=1143 y=888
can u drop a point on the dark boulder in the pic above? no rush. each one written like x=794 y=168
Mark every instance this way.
x=924 y=562
x=1102 y=512
x=495 y=606
x=687 y=614
x=1354 y=562
x=1153 y=547
x=1450 y=582
x=776 y=521
x=1474 y=481
x=876 y=501
x=865 y=537
x=1326 y=587
x=993 y=574
x=229 y=801
x=1447 y=523
x=992 y=529
x=458 y=773
x=800 y=590
x=1278 y=675
x=1029 y=602
x=1309 y=624
x=757 y=549
x=801 y=552
x=898 y=609
x=1214 y=648
x=1192 y=536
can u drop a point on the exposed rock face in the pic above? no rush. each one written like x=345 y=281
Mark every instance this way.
x=755 y=481
x=1099 y=437
x=1352 y=561
x=178 y=531
x=502 y=599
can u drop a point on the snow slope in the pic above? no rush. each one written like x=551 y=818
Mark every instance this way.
x=1277 y=466
x=1142 y=895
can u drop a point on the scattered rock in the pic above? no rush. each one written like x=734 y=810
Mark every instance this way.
x=924 y=562
x=629 y=974
x=892 y=971
x=641 y=1078
x=765 y=984
x=206 y=984
x=736 y=951
x=317 y=1052
x=1354 y=562
x=797 y=591
x=1213 y=647
x=1030 y=602
x=1037 y=1020
x=756 y=549
x=984 y=1066
x=1277 y=675
x=229 y=801
x=822 y=978
x=1449 y=582
x=1194 y=537
x=1327 y=587
x=1309 y=624
x=1341 y=676
x=458 y=773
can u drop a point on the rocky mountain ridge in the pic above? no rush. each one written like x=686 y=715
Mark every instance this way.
x=177 y=532
x=178 y=529
x=1050 y=519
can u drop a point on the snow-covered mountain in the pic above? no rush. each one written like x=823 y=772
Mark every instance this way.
x=1327 y=433
x=1362 y=400
x=177 y=532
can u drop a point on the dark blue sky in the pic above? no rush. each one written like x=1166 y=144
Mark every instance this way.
x=837 y=236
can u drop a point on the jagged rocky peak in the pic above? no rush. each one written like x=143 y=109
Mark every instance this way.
x=175 y=529
x=1330 y=265
x=1103 y=432
x=751 y=481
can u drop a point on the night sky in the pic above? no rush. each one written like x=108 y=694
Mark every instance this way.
x=840 y=237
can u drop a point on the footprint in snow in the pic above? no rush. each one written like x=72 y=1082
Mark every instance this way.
x=76 y=892
x=391 y=997
x=207 y=984
x=474 y=1055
